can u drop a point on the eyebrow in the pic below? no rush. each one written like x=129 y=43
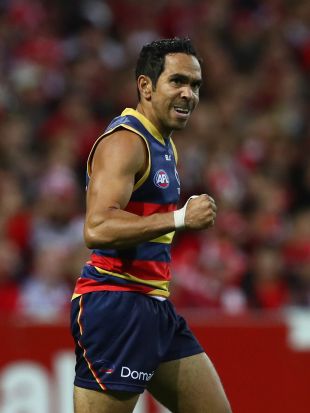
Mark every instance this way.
x=186 y=79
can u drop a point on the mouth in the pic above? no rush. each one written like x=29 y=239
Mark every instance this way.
x=182 y=112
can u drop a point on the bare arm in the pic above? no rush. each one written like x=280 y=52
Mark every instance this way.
x=117 y=160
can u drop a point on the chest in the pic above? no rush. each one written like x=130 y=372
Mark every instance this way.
x=162 y=184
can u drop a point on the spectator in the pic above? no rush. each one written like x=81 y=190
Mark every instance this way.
x=10 y=265
x=64 y=71
x=266 y=282
x=45 y=292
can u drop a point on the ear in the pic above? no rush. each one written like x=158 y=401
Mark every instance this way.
x=145 y=87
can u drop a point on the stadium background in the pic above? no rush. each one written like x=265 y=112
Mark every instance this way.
x=66 y=68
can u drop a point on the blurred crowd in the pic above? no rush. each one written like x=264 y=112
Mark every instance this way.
x=67 y=68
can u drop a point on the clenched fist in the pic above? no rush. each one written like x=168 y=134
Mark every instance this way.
x=200 y=212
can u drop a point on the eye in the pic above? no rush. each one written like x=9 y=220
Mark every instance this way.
x=196 y=86
x=177 y=81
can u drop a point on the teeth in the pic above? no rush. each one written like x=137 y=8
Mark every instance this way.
x=181 y=110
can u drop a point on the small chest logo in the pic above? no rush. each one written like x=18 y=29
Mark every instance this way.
x=161 y=179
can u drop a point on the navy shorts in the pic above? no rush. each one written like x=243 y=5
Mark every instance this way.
x=122 y=337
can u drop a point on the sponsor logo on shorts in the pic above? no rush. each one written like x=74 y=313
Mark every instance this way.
x=161 y=179
x=136 y=375
x=104 y=366
x=107 y=370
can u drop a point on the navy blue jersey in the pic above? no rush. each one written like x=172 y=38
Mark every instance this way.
x=146 y=267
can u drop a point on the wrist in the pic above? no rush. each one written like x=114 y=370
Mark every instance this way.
x=179 y=218
x=179 y=214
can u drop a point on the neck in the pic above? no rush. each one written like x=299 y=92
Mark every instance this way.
x=146 y=112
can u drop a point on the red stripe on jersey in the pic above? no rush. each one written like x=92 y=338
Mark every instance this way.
x=145 y=209
x=86 y=285
x=145 y=270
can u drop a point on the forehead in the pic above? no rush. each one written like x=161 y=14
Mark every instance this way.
x=181 y=63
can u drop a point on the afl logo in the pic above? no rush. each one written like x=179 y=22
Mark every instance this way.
x=161 y=179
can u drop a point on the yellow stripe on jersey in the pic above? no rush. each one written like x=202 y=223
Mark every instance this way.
x=176 y=157
x=75 y=296
x=161 y=285
x=164 y=239
x=158 y=292
x=146 y=123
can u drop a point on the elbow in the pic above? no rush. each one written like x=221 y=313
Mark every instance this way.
x=93 y=239
x=90 y=238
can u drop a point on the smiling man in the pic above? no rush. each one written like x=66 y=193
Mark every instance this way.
x=128 y=335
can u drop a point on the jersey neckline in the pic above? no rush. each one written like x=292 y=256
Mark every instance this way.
x=147 y=124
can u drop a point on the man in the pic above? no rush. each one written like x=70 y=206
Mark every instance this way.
x=127 y=333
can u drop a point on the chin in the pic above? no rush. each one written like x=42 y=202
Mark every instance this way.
x=180 y=125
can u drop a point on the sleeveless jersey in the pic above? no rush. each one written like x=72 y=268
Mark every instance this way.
x=145 y=267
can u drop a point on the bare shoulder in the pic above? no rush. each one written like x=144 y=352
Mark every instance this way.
x=122 y=148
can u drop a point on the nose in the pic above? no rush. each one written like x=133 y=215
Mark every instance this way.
x=187 y=92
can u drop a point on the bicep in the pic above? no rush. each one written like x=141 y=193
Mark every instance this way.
x=116 y=162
